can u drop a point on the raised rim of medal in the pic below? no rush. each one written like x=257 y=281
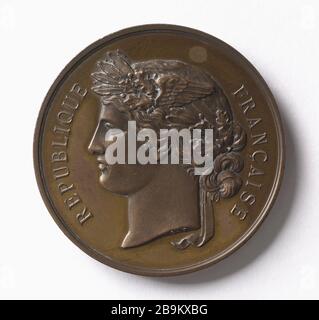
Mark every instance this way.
x=38 y=138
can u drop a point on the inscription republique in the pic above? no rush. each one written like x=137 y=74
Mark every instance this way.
x=257 y=158
x=59 y=156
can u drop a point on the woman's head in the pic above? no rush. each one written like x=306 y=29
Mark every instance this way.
x=165 y=94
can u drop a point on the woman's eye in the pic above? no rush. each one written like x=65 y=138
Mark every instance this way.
x=149 y=94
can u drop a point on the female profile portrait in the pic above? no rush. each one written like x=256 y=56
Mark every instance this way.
x=166 y=94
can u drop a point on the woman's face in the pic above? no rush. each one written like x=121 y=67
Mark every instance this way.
x=123 y=179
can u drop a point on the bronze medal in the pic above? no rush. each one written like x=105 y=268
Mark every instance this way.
x=158 y=219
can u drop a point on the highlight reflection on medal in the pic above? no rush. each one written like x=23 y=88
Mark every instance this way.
x=159 y=217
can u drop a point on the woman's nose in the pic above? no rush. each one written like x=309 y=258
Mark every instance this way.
x=96 y=145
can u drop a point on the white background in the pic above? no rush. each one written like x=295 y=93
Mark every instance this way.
x=38 y=38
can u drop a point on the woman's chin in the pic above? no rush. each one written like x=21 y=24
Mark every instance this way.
x=111 y=183
x=104 y=179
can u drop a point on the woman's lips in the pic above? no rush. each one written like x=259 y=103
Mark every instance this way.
x=101 y=163
x=102 y=166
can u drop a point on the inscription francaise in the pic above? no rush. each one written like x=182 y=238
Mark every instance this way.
x=257 y=158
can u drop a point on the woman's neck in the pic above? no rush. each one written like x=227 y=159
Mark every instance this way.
x=169 y=203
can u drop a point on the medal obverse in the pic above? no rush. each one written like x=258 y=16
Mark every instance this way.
x=159 y=150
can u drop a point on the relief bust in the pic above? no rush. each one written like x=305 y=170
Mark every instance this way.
x=158 y=94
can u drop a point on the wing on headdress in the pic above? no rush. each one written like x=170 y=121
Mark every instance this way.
x=179 y=83
x=112 y=74
x=176 y=82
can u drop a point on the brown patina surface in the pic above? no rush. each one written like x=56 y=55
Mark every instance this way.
x=158 y=220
